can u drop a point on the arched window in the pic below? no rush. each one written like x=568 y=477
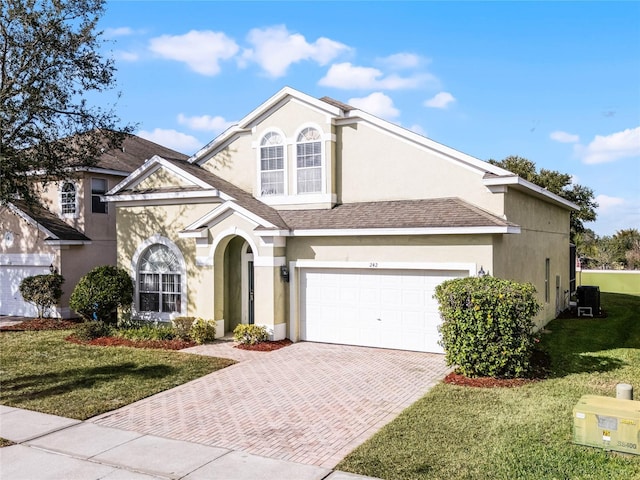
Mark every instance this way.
x=272 y=164
x=309 y=161
x=159 y=277
x=68 y=199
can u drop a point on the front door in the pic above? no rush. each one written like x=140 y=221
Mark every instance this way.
x=250 y=311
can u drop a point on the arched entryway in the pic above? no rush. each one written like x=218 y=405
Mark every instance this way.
x=234 y=286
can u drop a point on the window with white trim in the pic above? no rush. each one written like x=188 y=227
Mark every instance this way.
x=159 y=280
x=98 y=188
x=272 y=164
x=68 y=199
x=309 y=161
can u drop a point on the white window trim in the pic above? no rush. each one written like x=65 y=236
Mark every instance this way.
x=106 y=205
x=323 y=160
x=75 y=214
x=285 y=148
x=158 y=316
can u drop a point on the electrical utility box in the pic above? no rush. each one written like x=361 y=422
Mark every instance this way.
x=608 y=423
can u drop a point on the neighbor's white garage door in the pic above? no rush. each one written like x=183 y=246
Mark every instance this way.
x=11 y=302
x=374 y=308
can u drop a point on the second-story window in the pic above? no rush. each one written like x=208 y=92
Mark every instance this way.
x=98 y=188
x=68 y=199
x=272 y=164
x=309 y=161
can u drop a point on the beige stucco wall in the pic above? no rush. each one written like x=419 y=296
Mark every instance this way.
x=544 y=234
x=162 y=178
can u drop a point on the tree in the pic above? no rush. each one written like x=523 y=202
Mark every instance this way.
x=44 y=291
x=49 y=61
x=100 y=293
x=555 y=182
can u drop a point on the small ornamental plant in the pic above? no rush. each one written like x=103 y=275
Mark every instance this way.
x=250 y=334
x=44 y=291
x=487 y=326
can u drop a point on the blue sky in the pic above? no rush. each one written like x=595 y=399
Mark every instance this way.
x=555 y=82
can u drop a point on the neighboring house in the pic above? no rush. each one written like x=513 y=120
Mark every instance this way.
x=72 y=232
x=327 y=224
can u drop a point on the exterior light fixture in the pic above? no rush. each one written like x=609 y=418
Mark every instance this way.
x=284 y=273
x=481 y=272
x=52 y=269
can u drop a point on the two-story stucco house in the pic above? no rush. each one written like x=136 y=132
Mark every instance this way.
x=72 y=232
x=327 y=224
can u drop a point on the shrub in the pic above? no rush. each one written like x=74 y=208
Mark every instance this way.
x=91 y=330
x=487 y=326
x=182 y=327
x=202 y=331
x=44 y=291
x=250 y=334
x=148 y=332
x=100 y=293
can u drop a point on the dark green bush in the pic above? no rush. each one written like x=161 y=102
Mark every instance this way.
x=91 y=330
x=100 y=293
x=44 y=291
x=487 y=326
x=250 y=334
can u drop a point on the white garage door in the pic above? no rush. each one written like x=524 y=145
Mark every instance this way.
x=11 y=302
x=374 y=308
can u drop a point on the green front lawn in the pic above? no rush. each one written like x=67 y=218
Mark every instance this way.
x=517 y=433
x=43 y=372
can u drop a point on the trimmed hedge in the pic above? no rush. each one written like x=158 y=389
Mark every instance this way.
x=44 y=291
x=100 y=293
x=487 y=326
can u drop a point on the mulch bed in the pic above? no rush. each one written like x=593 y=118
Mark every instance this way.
x=266 y=346
x=34 y=324
x=125 y=342
x=541 y=368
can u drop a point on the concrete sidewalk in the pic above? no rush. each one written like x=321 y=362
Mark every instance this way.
x=51 y=447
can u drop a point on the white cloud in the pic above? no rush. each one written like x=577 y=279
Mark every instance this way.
x=275 y=49
x=612 y=147
x=418 y=129
x=206 y=123
x=607 y=203
x=118 y=32
x=377 y=104
x=348 y=76
x=178 y=141
x=126 y=56
x=401 y=60
x=200 y=50
x=564 y=137
x=440 y=100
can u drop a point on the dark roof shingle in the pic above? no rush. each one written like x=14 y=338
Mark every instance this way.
x=55 y=225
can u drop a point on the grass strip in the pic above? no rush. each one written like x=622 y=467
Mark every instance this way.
x=41 y=371
x=517 y=433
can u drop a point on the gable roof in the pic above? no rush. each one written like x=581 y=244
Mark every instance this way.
x=344 y=114
x=48 y=222
x=133 y=153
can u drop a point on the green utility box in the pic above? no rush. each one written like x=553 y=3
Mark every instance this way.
x=608 y=423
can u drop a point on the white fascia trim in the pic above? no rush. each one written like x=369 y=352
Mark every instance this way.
x=354 y=116
x=200 y=233
x=135 y=175
x=262 y=110
x=31 y=221
x=207 y=220
x=272 y=233
x=105 y=171
x=353 y=232
x=212 y=193
x=375 y=265
x=67 y=242
x=182 y=173
x=514 y=180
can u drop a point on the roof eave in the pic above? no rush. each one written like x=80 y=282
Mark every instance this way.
x=531 y=188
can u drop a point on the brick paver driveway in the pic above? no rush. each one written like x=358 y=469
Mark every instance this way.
x=310 y=402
